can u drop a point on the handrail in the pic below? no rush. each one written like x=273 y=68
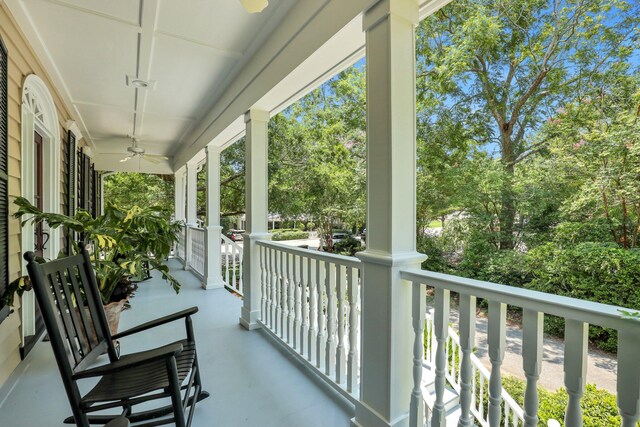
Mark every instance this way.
x=347 y=261
x=590 y=312
x=578 y=315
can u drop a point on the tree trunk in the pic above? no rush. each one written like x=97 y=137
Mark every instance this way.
x=507 y=214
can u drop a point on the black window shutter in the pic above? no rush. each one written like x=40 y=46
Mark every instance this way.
x=92 y=190
x=79 y=175
x=4 y=177
x=71 y=182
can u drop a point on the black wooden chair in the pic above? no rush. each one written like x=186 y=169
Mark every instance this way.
x=167 y=377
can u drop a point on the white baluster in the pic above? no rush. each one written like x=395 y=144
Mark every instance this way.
x=575 y=368
x=292 y=298
x=497 y=339
x=226 y=264
x=267 y=260
x=341 y=354
x=330 y=289
x=474 y=393
x=234 y=280
x=274 y=291
x=418 y=308
x=297 y=283
x=628 y=385
x=507 y=412
x=481 y=401
x=304 y=286
x=284 y=302
x=532 y=346
x=322 y=316
x=441 y=329
x=467 y=341
x=430 y=341
x=240 y=281
x=263 y=282
x=313 y=308
x=354 y=297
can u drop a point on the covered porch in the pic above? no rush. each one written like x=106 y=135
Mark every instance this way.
x=317 y=339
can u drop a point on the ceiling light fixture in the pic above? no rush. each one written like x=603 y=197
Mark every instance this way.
x=137 y=83
x=254 y=6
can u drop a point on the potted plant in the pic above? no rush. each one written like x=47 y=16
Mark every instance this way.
x=125 y=242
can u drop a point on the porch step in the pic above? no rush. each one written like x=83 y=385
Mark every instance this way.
x=451 y=397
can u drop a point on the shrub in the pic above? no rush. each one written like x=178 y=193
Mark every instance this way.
x=432 y=248
x=348 y=246
x=599 y=407
x=567 y=234
x=507 y=267
x=601 y=272
x=279 y=235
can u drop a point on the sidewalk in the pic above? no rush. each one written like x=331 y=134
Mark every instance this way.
x=601 y=366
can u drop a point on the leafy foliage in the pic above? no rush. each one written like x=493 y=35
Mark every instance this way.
x=129 y=189
x=601 y=272
x=599 y=408
x=125 y=241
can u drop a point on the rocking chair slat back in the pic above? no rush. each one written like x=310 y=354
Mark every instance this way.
x=82 y=333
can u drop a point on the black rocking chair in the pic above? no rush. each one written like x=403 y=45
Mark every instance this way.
x=68 y=294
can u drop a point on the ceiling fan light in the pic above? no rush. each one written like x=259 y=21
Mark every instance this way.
x=254 y=6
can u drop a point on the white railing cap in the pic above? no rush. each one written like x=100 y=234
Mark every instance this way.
x=347 y=261
x=570 y=308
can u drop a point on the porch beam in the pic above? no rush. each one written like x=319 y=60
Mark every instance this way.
x=213 y=230
x=256 y=156
x=386 y=356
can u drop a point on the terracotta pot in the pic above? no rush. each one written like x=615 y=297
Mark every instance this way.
x=113 y=310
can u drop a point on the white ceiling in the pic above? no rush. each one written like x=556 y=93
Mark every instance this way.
x=191 y=48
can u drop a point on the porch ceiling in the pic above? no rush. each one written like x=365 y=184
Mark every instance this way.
x=191 y=48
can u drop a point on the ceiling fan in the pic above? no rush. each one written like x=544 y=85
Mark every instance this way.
x=135 y=151
x=254 y=6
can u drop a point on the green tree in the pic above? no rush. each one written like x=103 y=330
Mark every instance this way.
x=499 y=66
x=595 y=139
x=128 y=189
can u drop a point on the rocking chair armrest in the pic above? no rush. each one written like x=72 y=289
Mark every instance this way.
x=131 y=361
x=156 y=322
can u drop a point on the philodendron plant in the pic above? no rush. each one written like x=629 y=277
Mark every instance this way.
x=126 y=242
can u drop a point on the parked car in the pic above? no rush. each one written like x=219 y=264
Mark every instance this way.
x=234 y=235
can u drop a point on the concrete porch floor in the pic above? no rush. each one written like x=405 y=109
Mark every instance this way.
x=251 y=381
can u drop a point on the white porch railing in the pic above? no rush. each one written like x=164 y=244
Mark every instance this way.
x=180 y=246
x=197 y=253
x=311 y=303
x=232 y=265
x=480 y=376
x=578 y=314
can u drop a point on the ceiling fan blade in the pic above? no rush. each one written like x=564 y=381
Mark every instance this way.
x=157 y=156
x=126 y=159
x=254 y=6
x=150 y=159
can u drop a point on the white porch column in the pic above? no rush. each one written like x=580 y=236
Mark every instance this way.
x=387 y=334
x=179 y=194
x=191 y=209
x=257 y=142
x=213 y=230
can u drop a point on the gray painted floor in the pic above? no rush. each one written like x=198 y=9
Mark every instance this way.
x=251 y=382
